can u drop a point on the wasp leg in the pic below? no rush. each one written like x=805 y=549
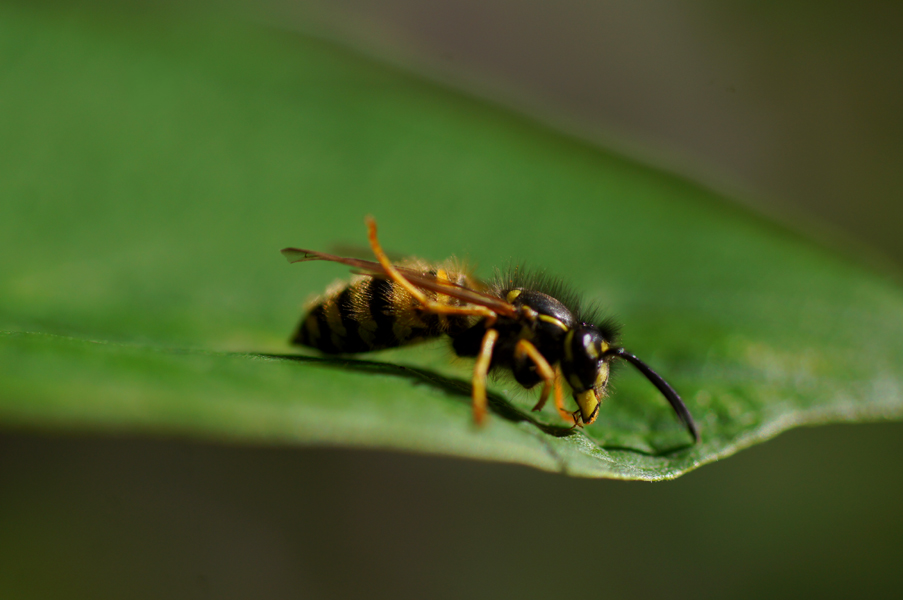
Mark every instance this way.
x=559 y=397
x=542 y=367
x=425 y=303
x=559 y=401
x=576 y=417
x=480 y=369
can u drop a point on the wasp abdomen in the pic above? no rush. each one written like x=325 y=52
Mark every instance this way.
x=331 y=325
x=371 y=314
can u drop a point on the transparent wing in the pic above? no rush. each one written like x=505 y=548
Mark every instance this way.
x=417 y=278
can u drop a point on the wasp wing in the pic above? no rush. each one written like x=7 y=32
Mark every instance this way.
x=417 y=278
x=362 y=251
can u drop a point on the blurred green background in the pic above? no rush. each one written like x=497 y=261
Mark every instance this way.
x=796 y=104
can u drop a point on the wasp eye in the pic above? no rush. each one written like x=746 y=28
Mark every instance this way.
x=585 y=363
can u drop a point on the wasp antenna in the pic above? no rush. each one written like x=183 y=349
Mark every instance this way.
x=667 y=391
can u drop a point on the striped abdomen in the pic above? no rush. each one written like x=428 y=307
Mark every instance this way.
x=373 y=314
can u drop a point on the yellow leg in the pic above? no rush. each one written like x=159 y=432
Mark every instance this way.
x=425 y=303
x=480 y=369
x=559 y=400
x=542 y=367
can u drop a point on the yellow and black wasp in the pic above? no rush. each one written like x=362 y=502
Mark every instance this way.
x=528 y=324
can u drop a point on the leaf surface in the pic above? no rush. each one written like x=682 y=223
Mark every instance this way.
x=151 y=170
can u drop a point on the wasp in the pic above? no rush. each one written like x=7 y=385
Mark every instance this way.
x=527 y=324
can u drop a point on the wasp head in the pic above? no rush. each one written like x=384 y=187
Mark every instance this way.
x=586 y=368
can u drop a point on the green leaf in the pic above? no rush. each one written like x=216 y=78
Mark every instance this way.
x=152 y=168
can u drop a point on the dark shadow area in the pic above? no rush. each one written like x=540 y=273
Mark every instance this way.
x=457 y=388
